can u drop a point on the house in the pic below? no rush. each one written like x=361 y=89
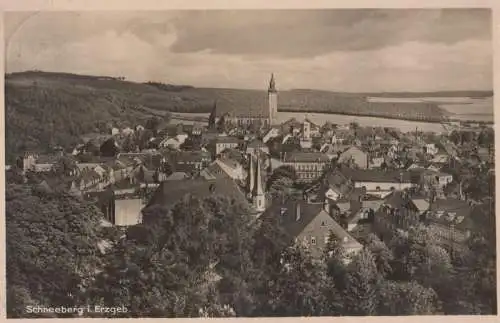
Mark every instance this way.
x=232 y=168
x=340 y=136
x=256 y=146
x=354 y=156
x=223 y=143
x=271 y=133
x=431 y=149
x=188 y=161
x=398 y=211
x=171 y=142
x=450 y=220
x=376 y=162
x=181 y=137
x=127 y=131
x=169 y=193
x=309 y=166
x=435 y=179
x=309 y=225
x=177 y=176
x=118 y=209
x=379 y=182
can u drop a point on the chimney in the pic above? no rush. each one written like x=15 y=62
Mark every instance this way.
x=297 y=216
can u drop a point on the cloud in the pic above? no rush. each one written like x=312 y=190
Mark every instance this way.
x=194 y=48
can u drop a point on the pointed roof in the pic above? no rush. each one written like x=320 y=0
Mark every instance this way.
x=258 y=190
x=272 y=84
x=251 y=176
x=213 y=114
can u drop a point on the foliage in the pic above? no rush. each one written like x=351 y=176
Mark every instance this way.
x=406 y=298
x=52 y=247
x=361 y=285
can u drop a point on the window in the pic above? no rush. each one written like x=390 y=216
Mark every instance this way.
x=327 y=238
x=323 y=223
x=313 y=240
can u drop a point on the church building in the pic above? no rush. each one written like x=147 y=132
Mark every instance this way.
x=256 y=113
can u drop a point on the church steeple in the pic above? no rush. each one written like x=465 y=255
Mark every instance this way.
x=272 y=84
x=211 y=118
x=272 y=100
x=259 y=200
x=251 y=176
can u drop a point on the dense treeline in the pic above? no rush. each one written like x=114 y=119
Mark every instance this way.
x=207 y=257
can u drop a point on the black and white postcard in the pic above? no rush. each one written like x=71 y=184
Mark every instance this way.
x=313 y=162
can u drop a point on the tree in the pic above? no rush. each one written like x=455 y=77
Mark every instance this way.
x=299 y=287
x=52 y=247
x=381 y=253
x=109 y=148
x=361 y=285
x=406 y=298
x=281 y=188
x=166 y=266
x=64 y=166
x=335 y=261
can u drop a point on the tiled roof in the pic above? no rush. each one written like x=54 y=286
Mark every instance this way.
x=450 y=211
x=375 y=175
x=305 y=157
x=176 y=176
x=170 y=192
x=287 y=213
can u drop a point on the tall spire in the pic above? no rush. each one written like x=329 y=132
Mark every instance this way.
x=259 y=199
x=251 y=176
x=258 y=190
x=211 y=118
x=272 y=84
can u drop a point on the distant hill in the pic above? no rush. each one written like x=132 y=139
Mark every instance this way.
x=44 y=108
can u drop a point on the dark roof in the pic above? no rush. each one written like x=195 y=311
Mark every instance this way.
x=399 y=200
x=48 y=158
x=188 y=156
x=305 y=157
x=375 y=175
x=287 y=213
x=168 y=193
x=227 y=139
x=288 y=220
x=451 y=211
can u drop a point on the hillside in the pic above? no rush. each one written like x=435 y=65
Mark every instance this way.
x=44 y=108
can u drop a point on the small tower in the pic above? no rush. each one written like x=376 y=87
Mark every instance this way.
x=212 y=117
x=250 y=177
x=259 y=199
x=272 y=98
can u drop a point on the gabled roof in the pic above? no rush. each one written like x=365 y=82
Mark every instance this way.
x=305 y=157
x=169 y=193
x=374 y=175
x=294 y=225
x=451 y=211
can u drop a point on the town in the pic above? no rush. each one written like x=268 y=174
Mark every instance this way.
x=321 y=185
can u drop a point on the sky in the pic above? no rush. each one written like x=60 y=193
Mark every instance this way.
x=353 y=50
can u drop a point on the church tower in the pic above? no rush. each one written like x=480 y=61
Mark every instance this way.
x=272 y=99
x=250 y=177
x=259 y=199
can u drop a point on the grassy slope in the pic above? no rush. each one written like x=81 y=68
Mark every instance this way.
x=43 y=107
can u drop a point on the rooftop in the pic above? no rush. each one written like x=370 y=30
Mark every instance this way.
x=305 y=157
